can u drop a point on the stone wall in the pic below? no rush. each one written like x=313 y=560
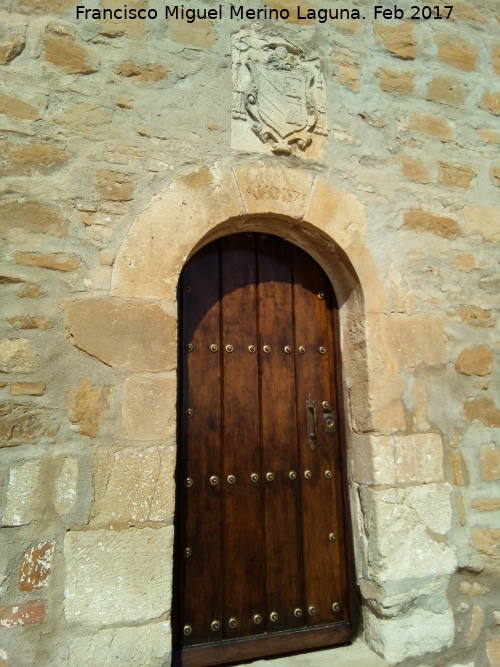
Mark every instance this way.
x=118 y=158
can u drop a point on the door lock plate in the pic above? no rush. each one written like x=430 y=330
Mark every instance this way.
x=329 y=425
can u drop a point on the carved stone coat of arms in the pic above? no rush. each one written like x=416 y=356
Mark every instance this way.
x=278 y=91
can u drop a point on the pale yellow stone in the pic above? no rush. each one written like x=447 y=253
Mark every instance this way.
x=452 y=175
x=395 y=82
x=483 y=410
x=148 y=262
x=26 y=159
x=413 y=340
x=199 y=34
x=456 y=51
x=349 y=68
x=16 y=356
x=398 y=40
x=432 y=126
x=465 y=262
x=27 y=388
x=32 y=216
x=489 y=136
x=86 y=404
x=22 y=504
x=475 y=361
x=148 y=74
x=483 y=220
x=66 y=486
x=133 y=485
x=486 y=504
x=17 y=109
x=148 y=409
x=476 y=316
x=413 y=169
x=476 y=625
x=490 y=101
x=54 y=261
x=447 y=90
x=65 y=53
x=131 y=334
x=489 y=460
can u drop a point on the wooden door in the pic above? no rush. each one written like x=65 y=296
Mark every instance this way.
x=263 y=557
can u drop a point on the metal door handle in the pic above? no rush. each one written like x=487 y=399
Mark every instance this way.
x=312 y=422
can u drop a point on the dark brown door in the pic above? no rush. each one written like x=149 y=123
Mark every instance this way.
x=263 y=551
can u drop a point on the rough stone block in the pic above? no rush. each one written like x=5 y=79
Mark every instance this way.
x=399 y=41
x=413 y=340
x=131 y=334
x=453 y=176
x=483 y=220
x=493 y=652
x=432 y=126
x=54 y=261
x=149 y=409
x=392 y=460
x=447 y=90
x=11 y=45
x=410 y=635
x=133 y=484
x=392 y=82
x=457 y=52
x=17 y=109
x=144 y=645
x=64 y=52
x=482 y=409
x=349 y=68
x=22 y=505
x=476 y=316
x=27 y=388
x=16 y=356
x=495 y=175
x=413 y=169
x=114 y=186
x=422 y=221
x=23 y=423
x=34 y=567
x=31 y=158
x=27 y=322
x=86 y=404
x=22 y=614
x=66 y=486
x=490 y=101
x=489 y=460
x=118 y=577
x=475 y=361
x=487 y=544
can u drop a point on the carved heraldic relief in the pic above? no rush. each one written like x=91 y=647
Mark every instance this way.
x=278 y=90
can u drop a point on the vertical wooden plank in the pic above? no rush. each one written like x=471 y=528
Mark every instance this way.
x=201 y=507
x=243 y=536
x=279 y=436
x=318 y=475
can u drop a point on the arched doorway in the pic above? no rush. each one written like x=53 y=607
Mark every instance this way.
x=263 y=553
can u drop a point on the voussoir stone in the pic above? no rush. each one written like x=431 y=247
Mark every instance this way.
x=120 y=332
x=135 y=578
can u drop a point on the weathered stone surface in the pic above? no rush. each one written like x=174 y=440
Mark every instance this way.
x=144 y=645
x=17 y=109
x=483 y=220
x=493 y=652
x=476 y=625
x=29 y=291
x=486 y=504
x=399 y=41
x=348 y=67
x=490 y=101
x=134 y=582
x=413 y=169
x=131 y=334
x=23 y=423
x=465 y=262
x=412 y=340
x=22 y=614
x=451 y=175
x=391 y=81
x=201 y=34
x=476 y=316
x=495 y=59
x=148 y=409
x=31 y=158
x=66 y=486
x=64 y=52
x=447 y=90
x=88 y=120
x=32 y=216
x=22 y=505
x=393 y=460
x=44 y=6
x=421 y=221
x=86 y=404
x=487 y=543
x=16 y=356
x=475 y=361
x=116 y=27
x=489 y=460
x=34 y=567
x=11 y=46
x=495 y=175
x=26 y=322
x=432 y=126
x=482 y=409
x=54 y=261
x=114 y=186
x=456 y=51
x=148 y=74
x=488 y=136
x=133 y=484
x=27 y=388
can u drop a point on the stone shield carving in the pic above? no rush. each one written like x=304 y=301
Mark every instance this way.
x=279 y=91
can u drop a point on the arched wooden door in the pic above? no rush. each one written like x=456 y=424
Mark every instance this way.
x=263 y=558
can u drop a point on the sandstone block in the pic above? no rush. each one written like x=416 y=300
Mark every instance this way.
x=86 y=404
x=200 y=34
x=44 y=6
x=475 y=361
x=84 y=118
x=27 y=388
x=421 y=221
x=118 y=28
x=17 y=109
x=476 y=625
x=23 y=423
x=419 y=632
x=34 y=566
x=456 y=469
x=54 y=261
x=117 y=576
x=148 y=74
x=64 y=52
x=495 y=175
x=489 y=460
x=399 y=41
x=489 y=136
x=66 y=486
x=149 y=411
x=114 y=186
x=16 y=356
x=495 y=59
x=145 y=645
x=393 y=460
x=486 y=504
x=483 y=220
x=451 y=175
x=493 y=652
x=413 y=169
x=456 y=51
x=487 y=544
x=490 y=101
x=432 y=126
x=447 y=90
x=465 y=262
x=133 y=484
x=23 y=614
x=135 y=335
x=32 y=216
x=29 y=291
x=26 y=322
x=482 y=410
x=391 y=81
x=475 y=316
x=413 y=340
x=348 y=68
x=22 y=505
x=11 y=46
x=31 y=158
